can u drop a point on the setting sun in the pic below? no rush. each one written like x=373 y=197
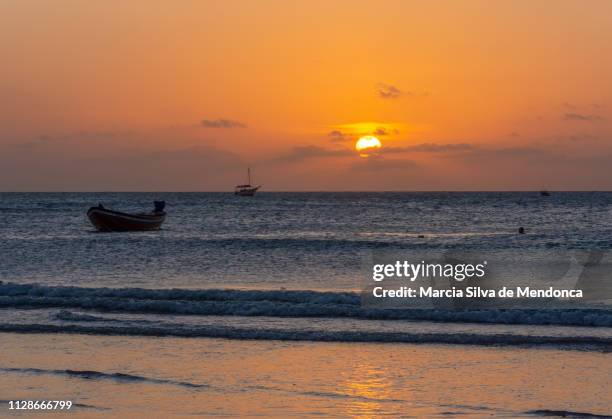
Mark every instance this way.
x=367 y=144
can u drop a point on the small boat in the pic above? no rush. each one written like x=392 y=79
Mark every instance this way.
x=108 y=220
x=247 y=189
x=544 y=193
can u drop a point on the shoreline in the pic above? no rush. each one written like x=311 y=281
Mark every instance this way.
x=582 y=344
x=119 y=376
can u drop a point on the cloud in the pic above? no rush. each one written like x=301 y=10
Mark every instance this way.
x=382 y=131
x=81 y=166
x=574 y=107
x=302 y=153
x=378 y=164
x=388 y=91
x=480 y=153
x=513 y=154
x=574 y=116
x=430 y=148
x=222 y=123
x=337 y=136
x=441 y=148
x=515 y=151
x=168 y=158
x=577 y=137
x=46 y=140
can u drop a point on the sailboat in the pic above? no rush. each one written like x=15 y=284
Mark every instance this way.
x=247 y=189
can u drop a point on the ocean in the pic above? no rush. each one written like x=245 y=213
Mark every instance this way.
x=234 y=291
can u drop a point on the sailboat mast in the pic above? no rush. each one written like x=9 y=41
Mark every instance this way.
x=249 y=175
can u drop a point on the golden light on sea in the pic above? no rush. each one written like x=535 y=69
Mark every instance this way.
x=366 y=145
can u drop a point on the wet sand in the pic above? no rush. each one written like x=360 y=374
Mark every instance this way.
x=117 y=376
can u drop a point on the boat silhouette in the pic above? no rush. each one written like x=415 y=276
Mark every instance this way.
x=107 y=220
x=246 y=189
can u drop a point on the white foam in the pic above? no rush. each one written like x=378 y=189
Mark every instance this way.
x=282 y=303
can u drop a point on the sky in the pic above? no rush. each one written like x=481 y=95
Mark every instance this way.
x=149 y=95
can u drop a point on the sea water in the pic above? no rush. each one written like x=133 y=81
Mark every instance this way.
x=274 y=273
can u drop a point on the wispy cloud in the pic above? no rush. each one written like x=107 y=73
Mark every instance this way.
x=430 y=148
x=382 y=131
x=580 y=117
x=388 y=91
x=337 y=136
x=79 y=165
x=577 y=137
x=574 y=107
x=222 y=123
x=87 y=136
x=308 y=152
x=378 y=164
x=506 y=154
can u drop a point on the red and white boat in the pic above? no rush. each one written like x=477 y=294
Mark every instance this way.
x=108 y=220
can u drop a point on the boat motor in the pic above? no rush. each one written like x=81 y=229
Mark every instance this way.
x=159 y=206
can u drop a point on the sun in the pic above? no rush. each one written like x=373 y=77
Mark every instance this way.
x=367 y=144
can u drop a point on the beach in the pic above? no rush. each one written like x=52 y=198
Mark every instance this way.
x=155 y=377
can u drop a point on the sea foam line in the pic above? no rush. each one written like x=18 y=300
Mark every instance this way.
x=97 y=375
x=177 y=330
x=281 y=303
x=566 y=414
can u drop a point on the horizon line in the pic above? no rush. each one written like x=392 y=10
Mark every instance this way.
x=338 y=191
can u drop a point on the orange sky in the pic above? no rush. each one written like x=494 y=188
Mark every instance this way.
x=161 y=95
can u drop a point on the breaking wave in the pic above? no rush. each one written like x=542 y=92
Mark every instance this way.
x=180 y=330
x=281 y=303
x=97 y=375
x=566 y=414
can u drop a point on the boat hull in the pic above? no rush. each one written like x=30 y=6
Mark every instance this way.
x=108 y=220
x=246 y=191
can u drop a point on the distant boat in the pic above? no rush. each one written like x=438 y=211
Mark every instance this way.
x=247 y=189
x=544 y=193
x=108 y=220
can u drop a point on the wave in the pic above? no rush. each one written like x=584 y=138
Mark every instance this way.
x=566 y=414
x=97 y=375
x=69 y=316
x=329 y=394
x=272 y=303
x=294 y=296
x=603 y=344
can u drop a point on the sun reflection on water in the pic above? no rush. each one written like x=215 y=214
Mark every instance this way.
x=369 y=387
